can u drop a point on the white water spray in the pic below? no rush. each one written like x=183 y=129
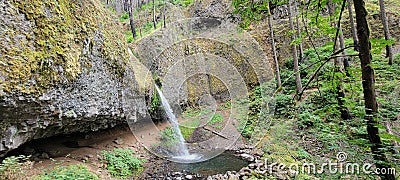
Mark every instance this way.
x=182 y=148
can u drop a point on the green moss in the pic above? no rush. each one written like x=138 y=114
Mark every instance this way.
x=60 y=28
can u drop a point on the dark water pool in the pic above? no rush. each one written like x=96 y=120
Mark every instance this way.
x=227 y=161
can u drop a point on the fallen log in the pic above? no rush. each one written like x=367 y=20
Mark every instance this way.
x=215 y=132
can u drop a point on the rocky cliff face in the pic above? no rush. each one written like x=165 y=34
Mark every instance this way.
x=204 y=55
x=64 y=67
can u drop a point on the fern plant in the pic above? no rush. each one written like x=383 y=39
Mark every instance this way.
x=121 y=163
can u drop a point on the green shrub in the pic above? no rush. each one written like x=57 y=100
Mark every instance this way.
x=71 y=172
x=129 y=36
x=155 y=99
x=397 y=58
x=155 y=102
x=216 y=118
x=184 y=3
x=124 y=17
x=169 y=135
x=307 y=119
x=121 y=163
x=13 y=167
x=284 y=105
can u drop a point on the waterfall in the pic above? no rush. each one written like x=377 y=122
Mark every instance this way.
x=181 y=146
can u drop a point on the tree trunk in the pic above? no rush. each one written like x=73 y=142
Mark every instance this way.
x=165 y=22
x=126 y=5
x=344 y=111
x=140 y=24
x=271 y=30
x=164 y=19
x=389 y=53
x=331 y=11
x=299 y=36
x=132 y=20
x=371 y=105
x=154 y=15
x=346 y=63
x=294 y=50
x=352 y=25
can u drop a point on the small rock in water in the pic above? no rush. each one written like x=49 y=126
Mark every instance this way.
x=247 y=157
x=176 y=173
x=189 y=177
x=252 y=166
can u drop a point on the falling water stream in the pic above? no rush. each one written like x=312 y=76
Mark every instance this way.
x=182 y=153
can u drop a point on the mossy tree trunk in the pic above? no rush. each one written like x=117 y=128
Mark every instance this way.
x=299 y=36
x=131 y=19
x=164 y=11
x=271 y=30
x=154 y=15
x=368 y=82
x=389 y=53
x=294 y=49
x=344 y=111
x=352 y=25
x=346 y=63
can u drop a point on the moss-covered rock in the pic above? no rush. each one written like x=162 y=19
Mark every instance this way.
x=64 y=67
x=43 y=42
